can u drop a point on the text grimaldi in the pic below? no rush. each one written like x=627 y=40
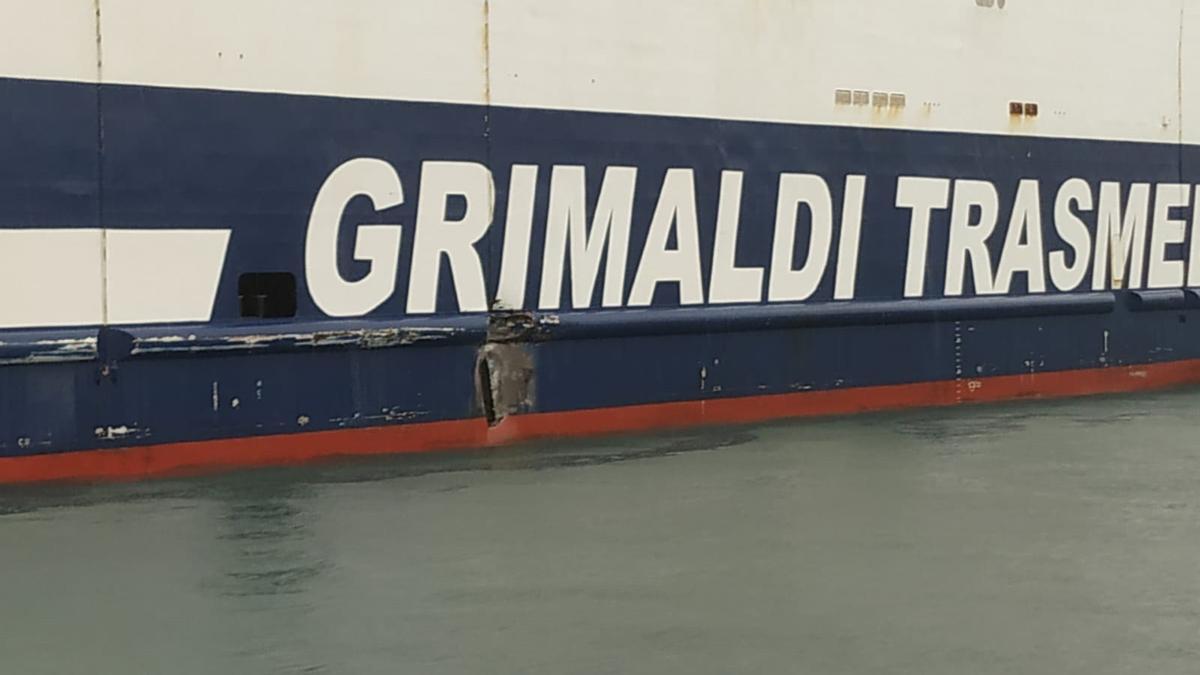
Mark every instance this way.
x=1107 y=235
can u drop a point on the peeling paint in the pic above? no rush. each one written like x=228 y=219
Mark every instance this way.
x=385 y=415
x=48 y=351
x=520 y=326
x=122 y=432
x=170 y=339
x=376 y=338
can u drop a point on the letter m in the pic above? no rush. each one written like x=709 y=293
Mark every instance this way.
x=566 y=221
x=1121 y=237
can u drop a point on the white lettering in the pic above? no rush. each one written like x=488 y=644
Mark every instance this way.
x=1023 y=248
x=377 y=244
x=455 y=239
x=1165 y=273
x=567 y=220
x=969 y=240
x=518 y=225
x=730 y=283
x=849 y=238
x=676 y=210
x=1074 y=232
x=787 y=284
x=1123 y=237
x=1194 y=249
x=922 y=196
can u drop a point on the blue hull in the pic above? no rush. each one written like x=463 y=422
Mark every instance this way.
x=142 y=158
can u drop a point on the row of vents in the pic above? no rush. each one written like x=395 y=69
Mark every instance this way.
x=861 y=97
x=894 y=101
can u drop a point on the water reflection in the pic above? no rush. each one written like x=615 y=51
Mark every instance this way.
x=267 y=562
x=270 y=547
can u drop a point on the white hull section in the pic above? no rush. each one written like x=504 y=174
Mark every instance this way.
x=1103 y=69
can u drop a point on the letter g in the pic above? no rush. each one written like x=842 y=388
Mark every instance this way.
x=376 y=244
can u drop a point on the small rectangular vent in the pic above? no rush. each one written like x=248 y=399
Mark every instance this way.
x=1022 y=109
x=267 y=295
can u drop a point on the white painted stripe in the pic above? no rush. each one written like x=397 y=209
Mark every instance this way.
x=164 y=276
x=54 y=277
x=50 y=278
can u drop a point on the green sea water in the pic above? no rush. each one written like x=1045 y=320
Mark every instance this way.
x=1059 y=537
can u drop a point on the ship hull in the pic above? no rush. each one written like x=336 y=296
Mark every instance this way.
x=220 y=260
x=200 y=457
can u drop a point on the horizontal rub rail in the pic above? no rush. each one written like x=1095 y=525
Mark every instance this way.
x=1173 y=298
x=114 y=344
x=624 y=323
x=48 y=346
x=471 y=329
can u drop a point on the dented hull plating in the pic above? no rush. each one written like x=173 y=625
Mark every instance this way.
x=464 y=273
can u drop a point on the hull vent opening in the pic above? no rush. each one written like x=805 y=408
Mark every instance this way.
x=267 y=295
